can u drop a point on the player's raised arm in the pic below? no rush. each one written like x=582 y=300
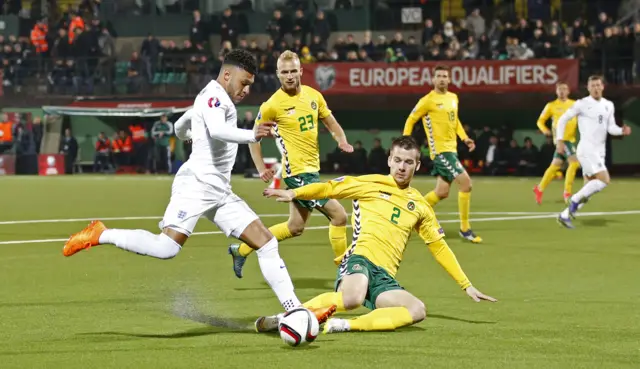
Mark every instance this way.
x=214 y=115
x=183 y=126
x=542 y=120
x=346 y=187
x=417 y=113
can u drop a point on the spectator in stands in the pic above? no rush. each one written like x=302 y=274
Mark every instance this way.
x=39 y=38
x=411 y=49
x=229 y=27
x=367 y=45
x=428 y=31
x=76 y=23
x=244 y=160
x=107 y=44
x=321 y=28
x=343 y=4
x=161 y=131
x=61 y=46
x=6 y=133
x=276 y=27
x=495 y=160
x=199 y=33
x=135 y=73
x=301 y=27
x=317 y=46
x=306 y=57
x=150 y=51
x=528 y=159
x=363 y=56
x=102 y=160
x=69 y=148
x=547 y=150
x=378 y=158
x=476 y=23
x=603 y=22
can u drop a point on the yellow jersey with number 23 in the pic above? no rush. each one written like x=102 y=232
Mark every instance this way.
x=297 y=118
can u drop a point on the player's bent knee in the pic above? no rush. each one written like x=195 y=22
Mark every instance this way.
x=167 y=248
x=296 y=229
x=418 y=311
x=352 y=301
x=340 y=219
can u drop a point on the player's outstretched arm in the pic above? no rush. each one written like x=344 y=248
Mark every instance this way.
x=337 y=132
x=183 y=126
x=340 y=188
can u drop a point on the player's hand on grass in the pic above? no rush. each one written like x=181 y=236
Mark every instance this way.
x=345 y=146
x=265 y=129
x=560 y=147
x=280 y=195
x=478 y=296
x=626 y=130
x=470 y=144
x=267 y=174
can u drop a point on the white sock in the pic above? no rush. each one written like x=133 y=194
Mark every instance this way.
x=275 y=273
x=141 y=242
x=590 y=188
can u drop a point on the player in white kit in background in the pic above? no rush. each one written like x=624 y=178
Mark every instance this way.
x=202 y=187
x=595 y=119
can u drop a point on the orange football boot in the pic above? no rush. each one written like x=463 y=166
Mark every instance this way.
x=322 y=314
x=90 y=236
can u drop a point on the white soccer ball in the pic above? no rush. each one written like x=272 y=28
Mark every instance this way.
x=298 y=327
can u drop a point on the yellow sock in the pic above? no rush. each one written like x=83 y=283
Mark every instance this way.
x=326 y=300
x=280 y=232
x=385 y=319
x=548 y=176
x=464 y=208
x=338 y=239
x=571 y=175
x=432 y=198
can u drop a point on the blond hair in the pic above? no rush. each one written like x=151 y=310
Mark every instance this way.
x=289 y=55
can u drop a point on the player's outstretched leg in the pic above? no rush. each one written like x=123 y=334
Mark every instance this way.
x=464 y=207
x=394 y=309
x=548 y=176
x=574 y=165
x=162 y=246
x=595 y=184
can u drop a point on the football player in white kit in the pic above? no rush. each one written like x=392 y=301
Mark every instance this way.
x=202 y=188
x=595 y=119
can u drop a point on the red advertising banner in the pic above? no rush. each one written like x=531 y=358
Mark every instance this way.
x=7 y=165
x=537 y=75
x=49 y=165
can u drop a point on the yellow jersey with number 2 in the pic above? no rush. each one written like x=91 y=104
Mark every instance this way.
x=439 y=114
x=297 y=118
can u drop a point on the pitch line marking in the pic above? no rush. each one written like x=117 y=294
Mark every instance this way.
x=73 y=220
x=493 y=219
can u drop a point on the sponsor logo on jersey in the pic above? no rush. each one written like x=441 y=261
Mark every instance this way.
x=339 y=179
x=314 y=106
x=214 y=102
x=291 y=110
x=411 y=205
x=440 y=106
x=385 y=195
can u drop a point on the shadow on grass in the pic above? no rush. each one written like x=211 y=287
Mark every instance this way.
x=445 y=317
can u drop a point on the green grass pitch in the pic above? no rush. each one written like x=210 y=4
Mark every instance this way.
x=568 y=298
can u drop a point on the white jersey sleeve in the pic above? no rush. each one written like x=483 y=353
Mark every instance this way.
x=214 y=112
x=612 y=127
x=183 y=126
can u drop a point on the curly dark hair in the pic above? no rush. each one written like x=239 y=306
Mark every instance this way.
x=243 y=59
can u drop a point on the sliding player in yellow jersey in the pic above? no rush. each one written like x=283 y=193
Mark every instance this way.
x=297 y=109
x=554 y=110
x=439 y=113
x=385 y=211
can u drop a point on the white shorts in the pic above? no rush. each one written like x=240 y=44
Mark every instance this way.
x=591 y=163
x=192 y=199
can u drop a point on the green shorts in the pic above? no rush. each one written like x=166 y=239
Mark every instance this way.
x=304 y=179
x=379 y=280
x=569 y=150
x=447 y=166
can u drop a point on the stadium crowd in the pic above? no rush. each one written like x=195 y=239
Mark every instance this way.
x=78 y=51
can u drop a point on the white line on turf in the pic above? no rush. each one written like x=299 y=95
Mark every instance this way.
x=494 y=219
x=73 y=220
